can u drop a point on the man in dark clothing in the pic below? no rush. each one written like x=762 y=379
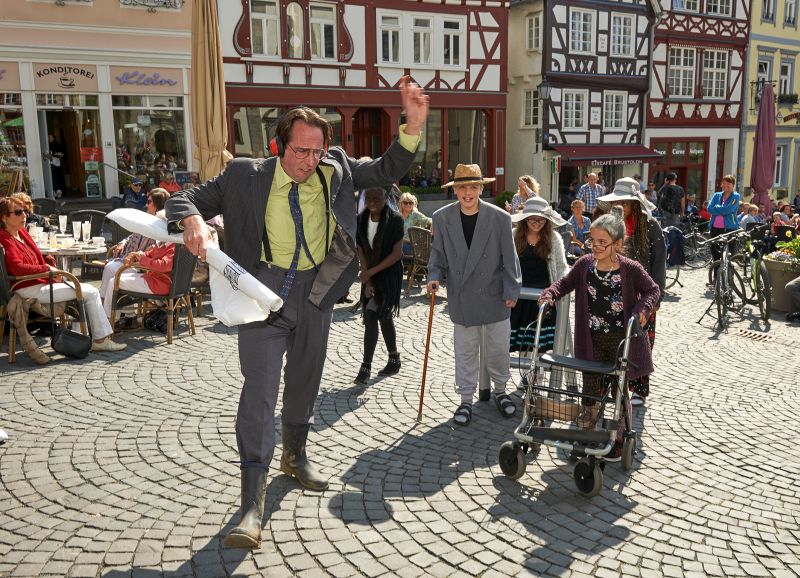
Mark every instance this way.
x=135 y=196
x=672 y=200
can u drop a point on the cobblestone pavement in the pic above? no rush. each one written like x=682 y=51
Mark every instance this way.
x=120 y=465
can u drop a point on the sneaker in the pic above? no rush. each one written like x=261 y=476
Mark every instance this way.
x=637 y=400
x=3 y=436
x=108 y=345
x=363 y=374
x=484 y=395
x=793 y=317
x=615 y=455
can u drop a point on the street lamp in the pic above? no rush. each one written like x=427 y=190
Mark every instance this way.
x=544 y=89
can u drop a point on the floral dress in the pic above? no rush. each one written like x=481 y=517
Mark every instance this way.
x=606 y=323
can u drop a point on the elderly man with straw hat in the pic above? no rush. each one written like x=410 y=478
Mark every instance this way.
x=474 y=250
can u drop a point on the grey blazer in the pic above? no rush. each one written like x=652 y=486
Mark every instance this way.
x=479 y=279
x=240 y=194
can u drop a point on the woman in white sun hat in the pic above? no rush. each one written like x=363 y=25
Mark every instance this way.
x=644 y=242
x=543 y=262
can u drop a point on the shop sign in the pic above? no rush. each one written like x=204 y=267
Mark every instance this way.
x=143 y=120
x=9 y=77
x=65 y=77
x=91 y=166
x=139 y=80
x=93 y=187
x=607 y=162
x=91 y=154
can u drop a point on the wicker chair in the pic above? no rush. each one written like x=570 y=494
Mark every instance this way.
x=421 y=248
x=96 y=218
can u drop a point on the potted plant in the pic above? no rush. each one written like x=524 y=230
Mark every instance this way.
x=783 y=266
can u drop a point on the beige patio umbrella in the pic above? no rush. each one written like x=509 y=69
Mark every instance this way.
x=208 y=91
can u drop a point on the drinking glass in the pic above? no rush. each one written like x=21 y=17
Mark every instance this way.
x=62 y=223
x=76 y=230
x=87 y=231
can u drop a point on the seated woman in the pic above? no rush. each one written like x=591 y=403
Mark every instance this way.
x=132 y=243
x=24 y=258
x=411 y=218
x=158 y=259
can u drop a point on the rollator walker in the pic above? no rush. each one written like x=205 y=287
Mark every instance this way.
x=552 y=402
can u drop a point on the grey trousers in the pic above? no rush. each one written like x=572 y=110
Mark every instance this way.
x=301 y=332
x=467 y=345
x=793 y=289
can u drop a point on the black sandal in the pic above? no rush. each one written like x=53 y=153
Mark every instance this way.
x=503 y=403
x=463 y=413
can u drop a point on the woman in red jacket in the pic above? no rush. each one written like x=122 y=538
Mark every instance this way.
x=158 y=259
x=24 y=258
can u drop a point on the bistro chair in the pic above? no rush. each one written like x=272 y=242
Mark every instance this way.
x=47 y=207
x=421 y=249
x=178 y=296
x=96 y=218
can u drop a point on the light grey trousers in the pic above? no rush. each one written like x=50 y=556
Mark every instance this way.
x=793 y=289
x=301 y=332
x=467 y=347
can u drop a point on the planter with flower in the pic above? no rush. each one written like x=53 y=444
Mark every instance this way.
x=783 y=266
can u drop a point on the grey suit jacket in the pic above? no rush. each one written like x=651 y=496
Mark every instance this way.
x=240 y=194
x=479 y=279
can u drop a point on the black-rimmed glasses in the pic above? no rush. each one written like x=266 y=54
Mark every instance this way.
x=302 y=153
x=589 y=243
x=19 y=212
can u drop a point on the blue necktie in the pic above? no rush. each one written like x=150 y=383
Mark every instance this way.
x=297 y=217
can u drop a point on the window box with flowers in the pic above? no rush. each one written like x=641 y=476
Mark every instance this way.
x=787 y=99
x=783 y=266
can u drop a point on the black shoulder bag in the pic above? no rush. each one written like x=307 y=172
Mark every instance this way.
x=65 y=341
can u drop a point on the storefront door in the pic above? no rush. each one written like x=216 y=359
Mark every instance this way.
x=368 y=131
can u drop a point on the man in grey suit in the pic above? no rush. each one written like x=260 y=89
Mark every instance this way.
x=473 y=248
x=290 y=221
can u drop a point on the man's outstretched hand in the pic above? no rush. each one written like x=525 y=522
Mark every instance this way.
x=415 y=105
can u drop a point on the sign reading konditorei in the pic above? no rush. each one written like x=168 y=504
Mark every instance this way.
x=65 y=77
x=9 y=77
x=144 y=80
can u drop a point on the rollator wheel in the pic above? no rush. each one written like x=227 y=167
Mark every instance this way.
x=512 y=460
x=588 y=479
x=628 y=449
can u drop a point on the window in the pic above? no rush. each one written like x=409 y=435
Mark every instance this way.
x=264 y=27
x=614 y=110
x=715 y=73
x=451 y=50
x=790 y=12
x=295 y=30
x=785 y=79
x=574 y=109
x=421 y=36
x=533 y=31
x=780 y=154
x=718 y=7
x=622 y=34
x=530 y=111
x=763 y=70
x=681 y=72
x=323 y=31
x=581 y=31
x=768 y=10
x=390 y=38
x=687 y=5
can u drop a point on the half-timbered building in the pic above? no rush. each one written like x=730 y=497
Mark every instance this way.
x=697 y=97
x=578 y=81
x=345 y=58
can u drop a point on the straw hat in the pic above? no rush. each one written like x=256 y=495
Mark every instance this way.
x=467 y=175
x=538 y=207
x=626 y=189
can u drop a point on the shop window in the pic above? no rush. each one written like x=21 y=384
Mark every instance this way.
x=530 y=111
x=264 y=25
x=13 y=153
x=11 y=99
x=426 y=168
x=150 y=136
x=694 y=183
x=323 y=31
x=451 y=49
x=468 y=138
x=533 y=31
x=715 y=73
x=581 y=31
x=421 y=38
x=697 y=153
x=681 y=72
x=295 y=30
x=253 y=128
x=574 y=109
x=623 y=34
x=679 y=153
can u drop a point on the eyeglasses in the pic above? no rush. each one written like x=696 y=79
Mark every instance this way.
x=302 y=153
x=599 y=244
x=408 y=202
x=537 y=220
x=19 y=212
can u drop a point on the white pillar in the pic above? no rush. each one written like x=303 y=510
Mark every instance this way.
x=107 y=132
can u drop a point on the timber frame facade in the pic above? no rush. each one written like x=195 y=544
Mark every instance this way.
x=346 y=57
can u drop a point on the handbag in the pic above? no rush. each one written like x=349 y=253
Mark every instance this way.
x=65 y=341
x=156 y=320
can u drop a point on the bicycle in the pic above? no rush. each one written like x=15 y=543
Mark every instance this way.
x=696 y=246
x=673 y=269
x=729 y=292
x=757 y=286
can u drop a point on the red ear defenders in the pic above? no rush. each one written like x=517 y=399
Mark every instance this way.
x=276 y=146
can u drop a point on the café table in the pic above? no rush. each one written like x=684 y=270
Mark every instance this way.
x=65 y=255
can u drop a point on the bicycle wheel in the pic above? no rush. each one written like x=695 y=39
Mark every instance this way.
x=764 y=291
x=720 y=288
x=696 y=251
x=736 y=290
x=749 y=291
x=673 y=273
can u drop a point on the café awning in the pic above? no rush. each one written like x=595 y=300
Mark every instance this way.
x=608 y=154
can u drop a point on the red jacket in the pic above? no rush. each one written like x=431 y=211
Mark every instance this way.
x=159 y=259
x=23 y=258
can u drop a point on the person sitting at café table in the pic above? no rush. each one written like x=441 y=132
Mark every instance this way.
x=24 y=258
x=169 y=184
x=412 y=217
x=134 y=195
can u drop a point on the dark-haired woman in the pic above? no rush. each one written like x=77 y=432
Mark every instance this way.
x=644 y=242
x=380 y=249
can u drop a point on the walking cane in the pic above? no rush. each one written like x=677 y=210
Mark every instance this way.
x=425 y=362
